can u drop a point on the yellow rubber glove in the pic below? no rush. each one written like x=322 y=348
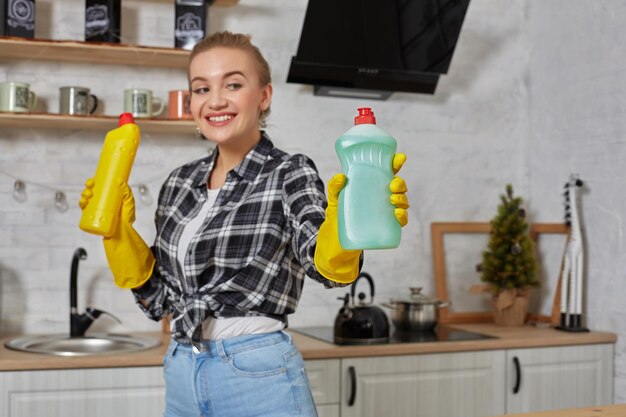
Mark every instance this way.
x=398 y=191
x=130 y=259
x=331 y=260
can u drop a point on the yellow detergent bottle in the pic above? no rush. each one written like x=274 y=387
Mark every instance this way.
x=100 y=217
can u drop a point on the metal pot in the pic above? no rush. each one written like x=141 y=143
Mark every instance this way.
x=362 y=322
x=418 y=313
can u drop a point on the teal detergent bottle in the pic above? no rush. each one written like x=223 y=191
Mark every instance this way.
x=366 y=216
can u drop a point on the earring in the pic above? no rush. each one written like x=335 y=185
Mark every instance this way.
x=60 y=202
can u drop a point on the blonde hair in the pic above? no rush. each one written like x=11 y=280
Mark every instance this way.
x=242 y=42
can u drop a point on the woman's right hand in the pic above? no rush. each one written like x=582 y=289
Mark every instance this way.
x=331 y=260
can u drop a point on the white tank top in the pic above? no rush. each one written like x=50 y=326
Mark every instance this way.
x=222 y=327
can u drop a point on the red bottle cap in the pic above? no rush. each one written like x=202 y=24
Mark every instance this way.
x=366 y=116
x=126 y=118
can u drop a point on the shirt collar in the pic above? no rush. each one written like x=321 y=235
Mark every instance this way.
x=248 y=169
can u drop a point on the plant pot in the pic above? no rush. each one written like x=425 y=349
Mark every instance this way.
x=510 y=307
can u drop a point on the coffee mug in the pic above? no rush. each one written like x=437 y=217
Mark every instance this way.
x=77 y=101
x=178 y=105
x=16 y=97
x=140 y=103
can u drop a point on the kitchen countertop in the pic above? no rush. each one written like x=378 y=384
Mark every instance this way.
x=616 y=410
x=505 y=338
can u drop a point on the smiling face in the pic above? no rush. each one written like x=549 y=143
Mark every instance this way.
x=227 y=97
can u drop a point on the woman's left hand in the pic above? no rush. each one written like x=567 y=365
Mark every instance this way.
x=398 y=191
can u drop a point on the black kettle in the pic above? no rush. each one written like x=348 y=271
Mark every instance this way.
x=360 y=323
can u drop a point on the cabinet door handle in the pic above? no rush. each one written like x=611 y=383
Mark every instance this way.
x=518 y=375
x=352 y=374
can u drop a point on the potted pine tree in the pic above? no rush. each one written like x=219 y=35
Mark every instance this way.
x=509 y=264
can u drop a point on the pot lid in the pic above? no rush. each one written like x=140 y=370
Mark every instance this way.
x=417 y=298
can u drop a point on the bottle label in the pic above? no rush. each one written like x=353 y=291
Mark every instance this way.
x=21 y=13
x=366 y=216
x=97 y=20
x=21 y=97
x=189 y=26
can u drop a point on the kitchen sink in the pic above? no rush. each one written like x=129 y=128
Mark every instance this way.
x=95 y=344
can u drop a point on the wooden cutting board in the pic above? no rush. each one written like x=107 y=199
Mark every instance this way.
x=616 y=410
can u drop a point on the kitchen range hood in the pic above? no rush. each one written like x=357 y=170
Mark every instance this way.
x=373 y=48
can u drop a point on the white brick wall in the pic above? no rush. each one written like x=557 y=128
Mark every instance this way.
x=577 y=101
x=528 y=80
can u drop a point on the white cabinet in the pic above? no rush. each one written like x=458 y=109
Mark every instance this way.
x=134 y=391
x=559 y=377
x=83 y=392
x=328 y=410
x=324 y=378
x=468 y=384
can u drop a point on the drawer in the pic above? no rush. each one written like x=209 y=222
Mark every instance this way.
x=328 y=410
x=324 y=378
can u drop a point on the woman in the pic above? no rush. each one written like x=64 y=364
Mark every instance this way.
x=237 y=232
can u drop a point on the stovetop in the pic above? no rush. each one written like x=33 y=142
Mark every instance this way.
x=439 y=334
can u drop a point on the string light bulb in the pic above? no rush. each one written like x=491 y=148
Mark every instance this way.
x=60 y=202
x=20 y=195
x=19 y=191
x=144 y=195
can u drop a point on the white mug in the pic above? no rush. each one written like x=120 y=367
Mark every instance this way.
x=141 y=103
x=16 y=97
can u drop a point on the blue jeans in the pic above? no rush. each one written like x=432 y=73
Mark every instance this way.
x=247 y=376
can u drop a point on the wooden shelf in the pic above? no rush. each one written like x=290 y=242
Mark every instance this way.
x=92 y=52
x=224 y=3
x=98 y=53
x=102 y=123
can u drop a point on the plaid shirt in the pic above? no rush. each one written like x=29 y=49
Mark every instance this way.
x=251 y=254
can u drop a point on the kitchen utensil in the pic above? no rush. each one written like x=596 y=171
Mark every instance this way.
x=417 y=313
x=141 y=103
x=178 y=105
x=77 y=101
x=103 y=20
x=16 y=97
x=190 y=22
x=362 y=322
x=17 y=18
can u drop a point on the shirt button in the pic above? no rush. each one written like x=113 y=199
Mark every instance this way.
x=189 y=252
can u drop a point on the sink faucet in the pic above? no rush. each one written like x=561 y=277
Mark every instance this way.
x=79 y=323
